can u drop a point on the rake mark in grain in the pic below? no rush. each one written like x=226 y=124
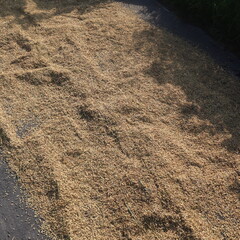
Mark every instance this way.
x=168 y=223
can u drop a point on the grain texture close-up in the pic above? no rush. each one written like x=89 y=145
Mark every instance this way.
x=114 y=127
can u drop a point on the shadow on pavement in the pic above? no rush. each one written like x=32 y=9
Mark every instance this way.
x=157 y=14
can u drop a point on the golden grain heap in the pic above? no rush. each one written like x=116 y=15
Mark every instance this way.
x=117 y=129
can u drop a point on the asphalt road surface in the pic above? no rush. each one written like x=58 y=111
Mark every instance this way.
x=17 y=221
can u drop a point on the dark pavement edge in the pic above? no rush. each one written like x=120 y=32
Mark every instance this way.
x=17 y=221
x=157 y=14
